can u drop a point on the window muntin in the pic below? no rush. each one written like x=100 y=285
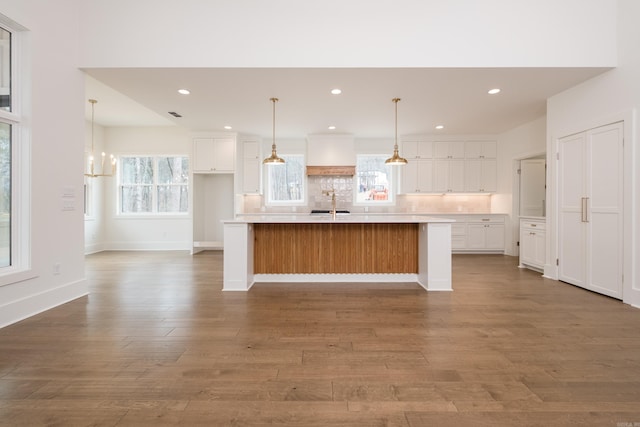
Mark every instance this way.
x=154 y=185
x=286 y=182
x=374 y=180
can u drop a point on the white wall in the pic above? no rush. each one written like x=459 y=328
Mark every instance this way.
x=338 y=33
x=609 y=97
x=53 y=112
x=144 y=232
x=524 y=141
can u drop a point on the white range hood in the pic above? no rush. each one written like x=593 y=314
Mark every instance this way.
x=331 y=150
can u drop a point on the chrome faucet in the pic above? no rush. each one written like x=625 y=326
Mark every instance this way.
x=332 y=193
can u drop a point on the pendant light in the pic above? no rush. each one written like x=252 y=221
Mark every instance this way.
x=273 y=159
x=112 y=160
x=396 y=159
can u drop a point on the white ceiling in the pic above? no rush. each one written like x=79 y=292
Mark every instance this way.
x=239 y=97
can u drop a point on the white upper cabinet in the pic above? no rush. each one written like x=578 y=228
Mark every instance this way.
x=417 y=176
x=481 y=168
x=480 y=176
x=480 y=149
x=449 y=150
x=251 y=167
x=414 y=150
x=214 y=155
x=448 y=176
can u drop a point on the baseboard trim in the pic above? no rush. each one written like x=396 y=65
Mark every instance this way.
x=31 y=305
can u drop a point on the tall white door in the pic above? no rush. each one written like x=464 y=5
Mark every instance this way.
x=590 y=222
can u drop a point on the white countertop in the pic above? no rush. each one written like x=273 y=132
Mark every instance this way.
x=324 y=218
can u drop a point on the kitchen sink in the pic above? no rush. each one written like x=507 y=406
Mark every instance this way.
x=328 y=212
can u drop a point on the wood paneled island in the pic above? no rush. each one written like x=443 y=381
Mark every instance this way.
x=352 y=248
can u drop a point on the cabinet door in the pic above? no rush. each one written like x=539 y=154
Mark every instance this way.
x=480 y=175
x=251 y=149
x=476 y=236
x=480 y=149
x=214 y=155
x=251 y=167
x=539 y=253
x=456 y=175
x=425 y=176
x=488 y=176
x=449 y=150
x=224 y=155
x=409 y=175
x=448 y=176
x=527 y=246
x=494 y=236
x=203 y=155
x=417 y=149
x=417 y=177
x=251 y=172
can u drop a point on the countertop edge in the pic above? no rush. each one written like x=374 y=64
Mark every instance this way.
x=346 y=219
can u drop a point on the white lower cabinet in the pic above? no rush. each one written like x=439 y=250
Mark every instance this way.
x=532 y=243
x=485 y=236
x=476 y=233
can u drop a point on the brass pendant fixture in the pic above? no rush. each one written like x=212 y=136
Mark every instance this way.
x=396 y=159
x=273 y=159
x=112 y=160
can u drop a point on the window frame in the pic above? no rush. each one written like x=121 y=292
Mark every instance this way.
x=20 y=268
x=392 y=191
x=283 y=203
x=154 y=188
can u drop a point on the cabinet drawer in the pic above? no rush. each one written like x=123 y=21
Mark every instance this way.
x=533 y=225
x=486 y=220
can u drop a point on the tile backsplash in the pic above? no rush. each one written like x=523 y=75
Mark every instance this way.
x=343 y=187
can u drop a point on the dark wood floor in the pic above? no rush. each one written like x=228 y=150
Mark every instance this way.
x=158 y=344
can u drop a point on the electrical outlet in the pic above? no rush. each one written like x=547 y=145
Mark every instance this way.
x=56 y=268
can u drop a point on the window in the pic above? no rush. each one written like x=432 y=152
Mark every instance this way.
x=154 y=185
x=374 y=180
x=7 y=147
x=286 y=182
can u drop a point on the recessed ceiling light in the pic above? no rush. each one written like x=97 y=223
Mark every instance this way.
x=331 y=127
x=336 y=91
x=440 y=127
x=493 y=91
x=183 y=91
x=228 y=127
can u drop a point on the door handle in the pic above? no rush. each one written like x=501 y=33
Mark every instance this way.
x=584 y=209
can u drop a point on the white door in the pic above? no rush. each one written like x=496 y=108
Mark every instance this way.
x=604 y=210
x=590 y=223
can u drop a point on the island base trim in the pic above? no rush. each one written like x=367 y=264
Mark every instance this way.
x=336 y=278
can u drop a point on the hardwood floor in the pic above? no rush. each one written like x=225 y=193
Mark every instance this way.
x=157 y=343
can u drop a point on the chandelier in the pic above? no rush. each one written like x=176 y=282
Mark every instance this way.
x=112 y=160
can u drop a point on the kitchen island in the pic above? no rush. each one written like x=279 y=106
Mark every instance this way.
x=349 y=248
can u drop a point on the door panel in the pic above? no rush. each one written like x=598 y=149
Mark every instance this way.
x=571 y=240
x=604 y=210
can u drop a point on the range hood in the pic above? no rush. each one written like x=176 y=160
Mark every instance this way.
x=331 y=170
x=331 y=154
